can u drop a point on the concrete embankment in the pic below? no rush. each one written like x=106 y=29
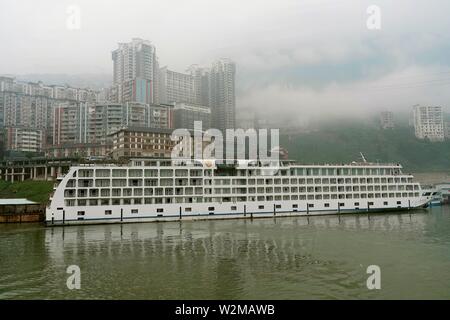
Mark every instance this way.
x=22 y=213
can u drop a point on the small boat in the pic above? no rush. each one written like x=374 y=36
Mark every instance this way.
x=436 y=196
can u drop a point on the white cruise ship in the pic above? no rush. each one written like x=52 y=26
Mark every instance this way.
x=164 y=190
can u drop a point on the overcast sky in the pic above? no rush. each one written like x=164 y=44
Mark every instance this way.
x=307 y=56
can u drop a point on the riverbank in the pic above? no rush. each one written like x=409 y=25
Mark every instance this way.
x=21 y=211
x=16 y=209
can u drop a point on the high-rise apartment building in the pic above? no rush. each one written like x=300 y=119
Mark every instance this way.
x=211 y=87
x=446 y=130
x=136 y=90
x=428 y=122
x=136 y=114
x=138 y=78
x=32 y=105
x=70 y=123
x=185 y=115
x=222 y=94
x=201 y=84
x=135 y=71
x=20 y=109
x=176 y=87
x=161 y=116
x=104 y=119
x=24 y=139
x=387 y=120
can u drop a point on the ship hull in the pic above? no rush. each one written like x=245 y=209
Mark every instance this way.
x=149 y=213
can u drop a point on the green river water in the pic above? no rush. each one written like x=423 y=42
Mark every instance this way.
x=282 y=258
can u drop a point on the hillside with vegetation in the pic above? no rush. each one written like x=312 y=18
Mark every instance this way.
x=38 y=191
x=342 y=143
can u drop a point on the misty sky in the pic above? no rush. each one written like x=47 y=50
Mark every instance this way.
x=307 y=56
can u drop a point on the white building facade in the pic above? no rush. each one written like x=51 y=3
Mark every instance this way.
x=24 y=139
x=387 y=120
x=135 y=71
x=429 y=123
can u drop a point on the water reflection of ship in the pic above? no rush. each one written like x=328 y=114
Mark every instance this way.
x=241 y=238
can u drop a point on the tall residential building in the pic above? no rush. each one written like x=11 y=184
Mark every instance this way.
x=387 y=120
x=176 y=87
x=70 y=123
x=104 y=119
x=136 y=114
x=211 y=87
x=138 y=78
x=6 y=83
x=201 y=84
x=20 y=109
x=161 y=116
x=32 y=105
x=185 y=115
x=447 y=130
x=135 y=71
x=222 y=94
x=24 y=139
x=428 y=122
x=136 y=90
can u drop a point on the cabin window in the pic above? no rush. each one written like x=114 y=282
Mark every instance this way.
x=159 y=210
x=356 y=203
x=370 y=203
x=134 y=182
x=233 y=208
x=326 y=205
x=260 y=207
x=399 y=202
x=310 y=205
x=385 y=203
x=295 y=206
x=134 y=211
x=80 y=213
x=341 y=204
x=108 y=212
x=188 y=209
x=211 y=209
x=278 y=206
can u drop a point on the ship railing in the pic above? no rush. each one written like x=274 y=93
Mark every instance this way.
x=353 y=164
x=250 y=163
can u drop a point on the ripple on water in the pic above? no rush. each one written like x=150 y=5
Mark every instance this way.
x=283 y=258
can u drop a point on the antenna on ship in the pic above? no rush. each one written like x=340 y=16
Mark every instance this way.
x=362 y=157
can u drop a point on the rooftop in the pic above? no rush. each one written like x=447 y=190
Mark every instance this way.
x=17 y=201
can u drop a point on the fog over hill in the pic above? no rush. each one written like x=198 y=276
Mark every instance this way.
x=342 y=141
